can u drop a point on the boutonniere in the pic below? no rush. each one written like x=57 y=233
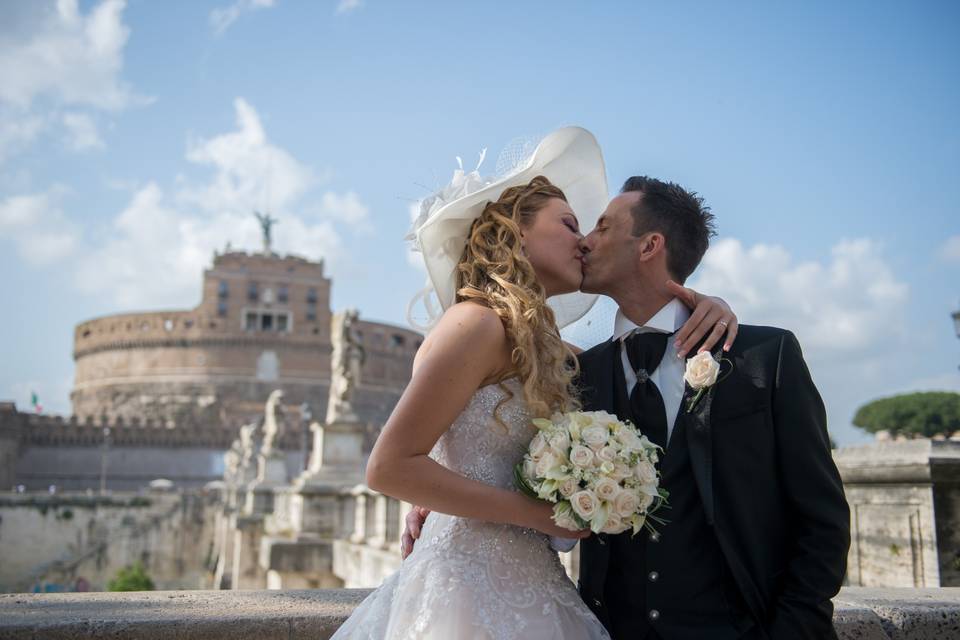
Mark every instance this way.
x=703 y=371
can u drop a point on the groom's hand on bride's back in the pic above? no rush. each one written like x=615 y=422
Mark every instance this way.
x=414 y=521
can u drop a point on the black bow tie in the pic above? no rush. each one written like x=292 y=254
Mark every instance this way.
x=645 y=351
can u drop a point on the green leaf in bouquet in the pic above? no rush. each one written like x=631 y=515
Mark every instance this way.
x=522 y=484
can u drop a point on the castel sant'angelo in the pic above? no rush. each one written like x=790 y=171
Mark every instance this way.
x=176 y=385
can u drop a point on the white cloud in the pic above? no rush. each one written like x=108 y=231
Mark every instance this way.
x=36 y=225
x=55 y=58
x=18 y=129
x=848 y=313
x=222 y=18
x=347 y=6
x=82 y=132
x=57 y=52
x=156 y=248
x=846 y=306
x=345 y=208
x=950 y=251
x=251 y=173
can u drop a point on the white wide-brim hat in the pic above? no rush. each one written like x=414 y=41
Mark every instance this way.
x=569 y=157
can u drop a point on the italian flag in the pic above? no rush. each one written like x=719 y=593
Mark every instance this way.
x=35 y=402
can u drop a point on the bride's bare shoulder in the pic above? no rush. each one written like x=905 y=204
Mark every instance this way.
x=467 y=328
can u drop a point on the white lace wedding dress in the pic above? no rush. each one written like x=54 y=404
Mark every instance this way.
x=474 y=580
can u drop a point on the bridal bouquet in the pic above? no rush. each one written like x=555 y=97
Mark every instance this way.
x=598 y=471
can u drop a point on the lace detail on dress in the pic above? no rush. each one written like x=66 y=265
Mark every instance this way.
x=473 y=579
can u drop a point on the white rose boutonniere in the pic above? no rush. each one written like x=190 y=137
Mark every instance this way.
x=703 y=371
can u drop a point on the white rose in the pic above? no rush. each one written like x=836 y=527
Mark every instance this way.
x=646 y=473
x=568 y=487
x=607 y=454
x=537 y=446
x=615 y=525
x=626 y=504
x=584 y=503
x=621 y=471
x=581 y=456
x=559 y=441
x=595 y=436
x=546 y=463
x=606 y=489
x=607 y=468
x=630 y=440
x=702 y=370
x=563 y=516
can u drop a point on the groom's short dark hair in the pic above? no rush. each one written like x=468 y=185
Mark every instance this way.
x=680 y=215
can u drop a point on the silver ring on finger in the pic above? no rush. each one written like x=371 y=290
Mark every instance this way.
x=723 y=323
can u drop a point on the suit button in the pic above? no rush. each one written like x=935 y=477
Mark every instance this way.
x=597 y=602
x=654 y=615
x=653 y=576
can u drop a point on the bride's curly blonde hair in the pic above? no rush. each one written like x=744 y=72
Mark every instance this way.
x=494 y=272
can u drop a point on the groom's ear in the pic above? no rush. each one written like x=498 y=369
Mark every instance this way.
x=650 y=245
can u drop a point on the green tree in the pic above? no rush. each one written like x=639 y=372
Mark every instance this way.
x=925 y=414
x=131 y=578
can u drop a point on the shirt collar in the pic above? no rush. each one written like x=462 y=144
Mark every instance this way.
x=668 y=319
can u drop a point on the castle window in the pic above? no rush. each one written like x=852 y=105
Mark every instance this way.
x=250 y=323
x=224 y=289
x=222 y=308
x=311 y=314
x=266 y=322
x=252 y=294
x=312 y=295
x=282 y=322
x=397 y=340
x=283 y=294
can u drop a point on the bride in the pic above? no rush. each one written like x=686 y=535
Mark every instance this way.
x=483 y=567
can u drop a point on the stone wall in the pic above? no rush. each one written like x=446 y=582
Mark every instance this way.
x=905 y=513
x=68 y=542
x=860 y=614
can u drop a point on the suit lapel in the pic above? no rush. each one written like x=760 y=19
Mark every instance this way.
x=699 y=433
x=598 y=376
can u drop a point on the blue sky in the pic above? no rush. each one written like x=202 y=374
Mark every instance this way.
x=135 y=138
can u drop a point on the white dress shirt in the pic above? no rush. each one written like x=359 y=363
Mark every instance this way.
x=669 y=375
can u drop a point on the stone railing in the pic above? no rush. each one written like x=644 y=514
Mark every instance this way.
x=864 y=614
x=367 y=545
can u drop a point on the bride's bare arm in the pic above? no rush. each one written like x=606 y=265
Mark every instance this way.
x=468 y=347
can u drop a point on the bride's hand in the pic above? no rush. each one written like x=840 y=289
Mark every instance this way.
x=541 y=519
x=711 y=317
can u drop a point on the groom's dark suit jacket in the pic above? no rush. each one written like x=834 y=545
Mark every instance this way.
x=757 y=452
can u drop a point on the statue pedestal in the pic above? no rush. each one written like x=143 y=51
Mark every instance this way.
x=335 y=465
x=337 y=456
x=271 y=474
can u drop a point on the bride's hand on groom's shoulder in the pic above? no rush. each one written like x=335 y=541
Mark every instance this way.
x=711 y=317
x=414 y=523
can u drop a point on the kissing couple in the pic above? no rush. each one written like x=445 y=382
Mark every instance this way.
x=757 y=531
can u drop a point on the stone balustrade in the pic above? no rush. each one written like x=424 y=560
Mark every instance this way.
x=861 y=613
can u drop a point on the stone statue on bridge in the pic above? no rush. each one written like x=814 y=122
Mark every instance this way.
x=347 y=363
x=273 y=422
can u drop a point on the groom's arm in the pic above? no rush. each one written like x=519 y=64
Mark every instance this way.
x=820 y=515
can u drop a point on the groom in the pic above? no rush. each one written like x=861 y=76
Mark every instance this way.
x=758 y=528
